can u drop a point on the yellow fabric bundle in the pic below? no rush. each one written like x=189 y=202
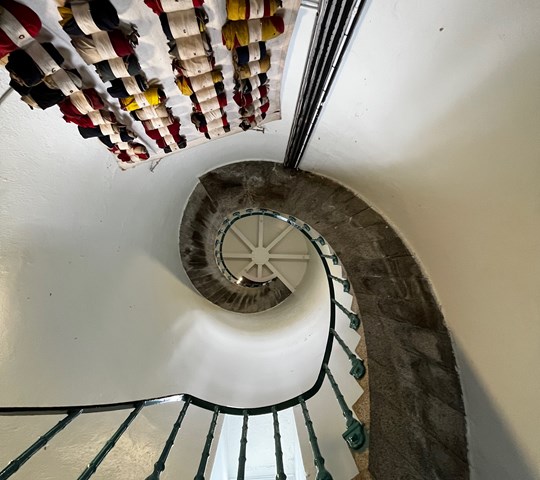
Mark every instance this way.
x=152 y=96
x=253 y=68
x=240 y=33
x=188 y=86
x=246 y=9
x=66 y=13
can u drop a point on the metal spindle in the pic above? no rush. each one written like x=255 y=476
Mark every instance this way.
x=354 y=435
x=358 y=369
x=334 y=258
x=280 y=470
x=322 y=473
x=109 y=445
x=14 y=465
x=345 y=283
x=319 y=240
x=207 y=445
x=243 y=446
x=354 y=319
x=159 y=466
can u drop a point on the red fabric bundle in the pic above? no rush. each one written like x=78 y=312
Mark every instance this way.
x=204 y=128
x=173 y=129
x=126 y=158
x=161 y=143
x=244 y=99
x=134 y=150
x=157 y=6
x=68 y=108
x=221 y=99
x=86 y=121
x=88 y=46
x=251 y=122
x=26 y=17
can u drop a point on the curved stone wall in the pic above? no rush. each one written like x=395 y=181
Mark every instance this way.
x=417 y=429
x=201 y=221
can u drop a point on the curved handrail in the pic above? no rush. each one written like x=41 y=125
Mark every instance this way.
x=305 y=229
x=354 y=434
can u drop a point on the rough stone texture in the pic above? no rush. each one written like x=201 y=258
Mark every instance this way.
x=417 y=425
x=201 y=221
x=362 y=406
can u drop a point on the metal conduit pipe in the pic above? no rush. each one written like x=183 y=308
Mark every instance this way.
x=313 y=4
x=328 y=34
x=331 y=37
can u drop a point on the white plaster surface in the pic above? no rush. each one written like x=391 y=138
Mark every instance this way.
x=434 y=120
x=438 y=129
x=95 y=307
x=92 y=292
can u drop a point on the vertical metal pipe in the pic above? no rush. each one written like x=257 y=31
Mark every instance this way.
x=354 y=319
x=159 y=466
x=109 y=445
x=322 y=473
x=280 y=470
x=358 y=369
x=354 y=435
x=207 y=445
x=14 y=465
x=345 y=283
x=327 y=48
x=243 y=446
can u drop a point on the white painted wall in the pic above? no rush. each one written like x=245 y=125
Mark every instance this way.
x=95 y=307
x=438 y=130
x=94 y=304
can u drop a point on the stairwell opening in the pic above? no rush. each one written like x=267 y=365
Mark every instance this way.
x=261 y=461
x=254 y=250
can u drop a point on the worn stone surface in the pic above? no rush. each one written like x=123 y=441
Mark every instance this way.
x=201 y=221
x=417 y=424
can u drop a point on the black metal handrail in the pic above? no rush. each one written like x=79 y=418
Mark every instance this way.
x=355 y=440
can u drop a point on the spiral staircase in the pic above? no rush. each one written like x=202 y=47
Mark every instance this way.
x=341 y=319
x=307 y=351
x=115 y=351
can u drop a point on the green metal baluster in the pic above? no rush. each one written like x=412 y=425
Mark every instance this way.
x=319 y=240
x=358 y=369
x=354 y=435
x=94 y=464
x=243 y=445
x=354 y=319
x=322 y=473
x=159 y=466
x=207 y=445
x=14 y=465
x=345 y=283
x=334 y=258
x=279 y=452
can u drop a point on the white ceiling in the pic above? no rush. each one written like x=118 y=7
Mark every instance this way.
x=434 y=121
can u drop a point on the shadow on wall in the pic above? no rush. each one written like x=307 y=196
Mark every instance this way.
x=500 y=443
x=88 y=325
x=477 y=190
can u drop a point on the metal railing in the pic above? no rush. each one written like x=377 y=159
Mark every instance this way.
x=354 y=435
